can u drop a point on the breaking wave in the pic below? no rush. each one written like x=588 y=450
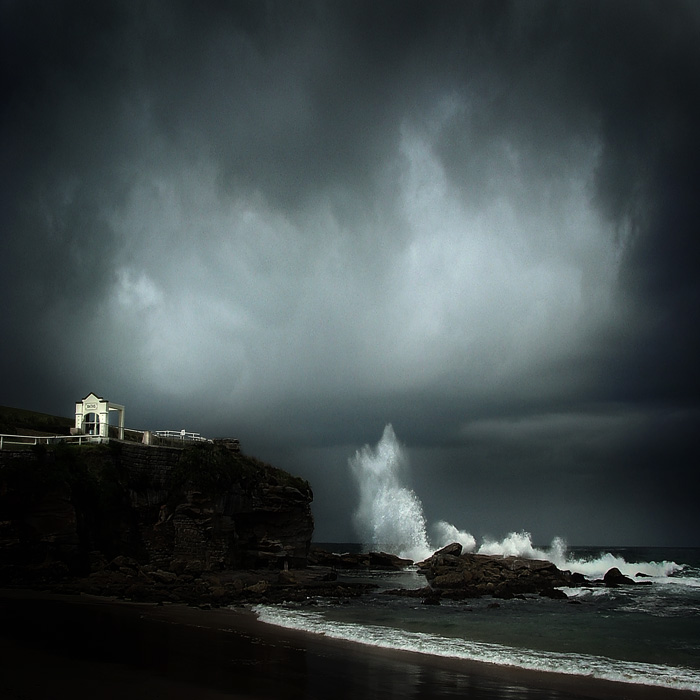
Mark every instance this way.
x=390 y=518
x=434 y=644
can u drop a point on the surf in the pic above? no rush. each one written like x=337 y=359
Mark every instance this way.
x=394 y=638
x=390 y=518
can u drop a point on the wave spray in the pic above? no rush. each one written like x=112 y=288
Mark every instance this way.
x=390 y=516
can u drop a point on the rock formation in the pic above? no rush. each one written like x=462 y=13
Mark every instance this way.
x=614 y=577
x=206 y=507
x=207 y=525
x=456 y=575
x=124 y=577
x=364 y=561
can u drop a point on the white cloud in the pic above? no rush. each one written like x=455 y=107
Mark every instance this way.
x=136 y=290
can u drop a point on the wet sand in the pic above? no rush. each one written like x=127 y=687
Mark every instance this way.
x=87 y=647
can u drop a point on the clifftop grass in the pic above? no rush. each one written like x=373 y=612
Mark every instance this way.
x=18 y=421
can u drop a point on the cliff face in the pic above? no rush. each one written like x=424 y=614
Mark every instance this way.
x=203 y=508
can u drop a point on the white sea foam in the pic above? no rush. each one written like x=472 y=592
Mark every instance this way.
x=519 y=544
x=433 y=644
x=597 y=567
x=390 y=517
x=445 y=533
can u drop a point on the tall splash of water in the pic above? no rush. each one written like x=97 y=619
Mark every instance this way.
x=389 y=516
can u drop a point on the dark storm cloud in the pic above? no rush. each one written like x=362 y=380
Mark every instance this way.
x=300 y=221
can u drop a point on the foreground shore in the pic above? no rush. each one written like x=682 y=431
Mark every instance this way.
x=86 y=646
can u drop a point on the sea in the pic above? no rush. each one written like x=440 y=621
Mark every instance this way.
x=645 y=634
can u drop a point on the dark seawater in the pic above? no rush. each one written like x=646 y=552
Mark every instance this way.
x=646 y=634
x=84 y=647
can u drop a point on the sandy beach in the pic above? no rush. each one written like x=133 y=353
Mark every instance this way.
x=77 y=647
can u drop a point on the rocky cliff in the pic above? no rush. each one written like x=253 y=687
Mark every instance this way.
x=206 y=507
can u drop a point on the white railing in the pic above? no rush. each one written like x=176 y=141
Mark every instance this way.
x=28 y=440
x=179 y=435
x=142 y=436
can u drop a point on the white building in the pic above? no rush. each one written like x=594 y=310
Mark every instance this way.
x=92 y=416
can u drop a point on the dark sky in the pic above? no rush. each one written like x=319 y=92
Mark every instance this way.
x=296 y=222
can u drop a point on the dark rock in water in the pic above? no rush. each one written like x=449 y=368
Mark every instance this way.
x=389 y=562
x=473 y=575
x=365 y=561
x=555 y=593
x=614 y=577
x=144 y=584
x=321 y=557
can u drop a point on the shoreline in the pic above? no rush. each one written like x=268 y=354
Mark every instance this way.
x=137 y=650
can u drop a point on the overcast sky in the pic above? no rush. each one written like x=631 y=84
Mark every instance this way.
x=296 y=222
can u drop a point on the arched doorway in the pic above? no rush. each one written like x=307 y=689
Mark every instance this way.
x=91 y=423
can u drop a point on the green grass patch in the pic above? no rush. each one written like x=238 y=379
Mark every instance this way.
x=18 y=421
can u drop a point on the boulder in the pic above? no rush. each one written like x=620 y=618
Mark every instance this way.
x=163 y=576
x=123 y=563
x=391 y=562
x=555 y=593
x=454 y=549
x=614 y=577
x=364 y=561
x=473 y=575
